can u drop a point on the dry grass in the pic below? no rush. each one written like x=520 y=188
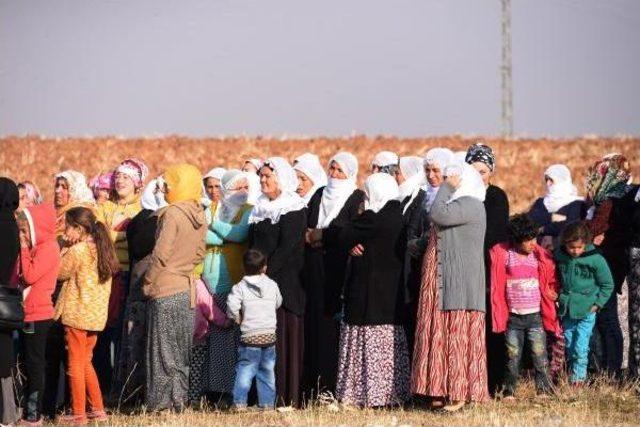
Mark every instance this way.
x=601 y=404
x=520 y=162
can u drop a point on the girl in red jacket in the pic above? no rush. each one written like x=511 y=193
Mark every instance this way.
x=523 y=294
x=39 y=265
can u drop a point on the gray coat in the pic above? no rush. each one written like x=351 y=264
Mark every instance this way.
x=461 y=226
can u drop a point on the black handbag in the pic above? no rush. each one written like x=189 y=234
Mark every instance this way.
x=11 y=309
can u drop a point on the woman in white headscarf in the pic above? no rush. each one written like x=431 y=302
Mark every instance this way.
x=449 y=358
x=251 y=167
x=373 y=367
x=560 y=206
x=411 y=178
x=226 y=239
x=278 y=225
x=325 y=266
x=311 y=175
x=212 y=187
x=71 y=190
x=434 y=163
x=385 y=162
x=129 y=377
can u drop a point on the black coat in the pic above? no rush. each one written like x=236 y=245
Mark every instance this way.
x=373 y=295
x=634 y=217
x=574 y=211
x=141 y=235
x=496 y=205
x=325 y=267
x=283 y=244
x=9 y=251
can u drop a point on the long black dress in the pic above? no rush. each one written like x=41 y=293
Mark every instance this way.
x=323 y=278
x=496 y=205
x=9 y=251
x=413 y=222
x=283 y=244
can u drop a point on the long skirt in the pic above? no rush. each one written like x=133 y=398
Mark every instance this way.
x=169 y=337
x=633 y=284
x=449 y=356
x=373 y=367
x=129 y=379
x=289 y=357
x=219 y=371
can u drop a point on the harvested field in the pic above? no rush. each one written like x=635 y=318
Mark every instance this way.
x=520 y=166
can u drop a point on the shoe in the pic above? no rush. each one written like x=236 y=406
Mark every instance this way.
x=238 y=408
x=285 y=409
x=454 y=406
x=99 y=416
x=72 y=420
x=30 y=423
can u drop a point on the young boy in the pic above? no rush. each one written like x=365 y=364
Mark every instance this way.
x=252 y=304
x=587 y=284
x=523 y=293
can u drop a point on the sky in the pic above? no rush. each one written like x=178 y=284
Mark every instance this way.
x=305 y=68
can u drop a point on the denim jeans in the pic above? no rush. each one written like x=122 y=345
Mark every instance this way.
x=519 y=327
x=258 y=362
x=577 y=334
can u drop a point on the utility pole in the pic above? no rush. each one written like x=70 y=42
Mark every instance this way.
x=507 y=89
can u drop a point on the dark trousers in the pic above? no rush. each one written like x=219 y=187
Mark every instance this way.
x=608 y=326
x=56 y=357
x=103 y=362
x=527 y=326
x=33 y=350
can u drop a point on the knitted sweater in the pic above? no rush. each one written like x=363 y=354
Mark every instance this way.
x=83 y=302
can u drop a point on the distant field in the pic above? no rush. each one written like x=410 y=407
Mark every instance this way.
x=519 y=171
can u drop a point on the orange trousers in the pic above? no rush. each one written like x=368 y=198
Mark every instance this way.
x=83 y=381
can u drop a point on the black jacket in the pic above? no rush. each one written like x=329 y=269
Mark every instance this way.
x=326 y=267
x=283 y=244
x=373 y=295
x=634 y=217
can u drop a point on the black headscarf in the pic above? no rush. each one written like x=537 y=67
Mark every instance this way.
x=481 y=153
x=10 y=240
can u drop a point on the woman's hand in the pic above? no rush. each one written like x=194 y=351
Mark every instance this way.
x=598 y=239
x=555 y=217
x=595 y=309
x=357 y=250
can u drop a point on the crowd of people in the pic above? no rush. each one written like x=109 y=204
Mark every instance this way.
x=279 y=283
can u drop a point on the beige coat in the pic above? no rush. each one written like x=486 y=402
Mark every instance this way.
x=179 y=248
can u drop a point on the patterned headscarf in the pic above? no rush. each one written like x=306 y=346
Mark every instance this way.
x=480 y=152
x=135 y=169
x=104 y=181
x=608 y=178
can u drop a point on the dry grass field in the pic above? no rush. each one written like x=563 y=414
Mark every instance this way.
x=600 y=404
x=521 y=162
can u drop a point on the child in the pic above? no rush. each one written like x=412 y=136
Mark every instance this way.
x=252 y=304
x=523 y=293
x=86 y=269
x=39 y=266
x=587 y=284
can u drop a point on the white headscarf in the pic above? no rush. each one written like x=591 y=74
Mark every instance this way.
x=309 y=164
x=232 y=200
x=460 y=156
x=385 y=158
x=287 y=201
x=562 y=191
x=440 y=157
x=79 y=191
x=215 y=173
x=379 y=188
x=413 y=172
x=337 y=191
x=255 y=162
x=471 y=184
x=152 y=199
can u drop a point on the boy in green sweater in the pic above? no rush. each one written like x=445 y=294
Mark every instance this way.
x=586 y=287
